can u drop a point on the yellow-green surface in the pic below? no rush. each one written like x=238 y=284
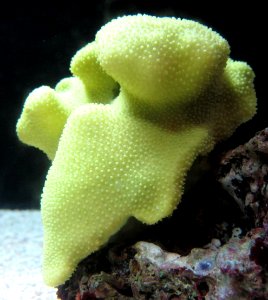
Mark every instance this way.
x=128 y=155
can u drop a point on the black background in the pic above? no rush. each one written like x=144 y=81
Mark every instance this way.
x=36 y=45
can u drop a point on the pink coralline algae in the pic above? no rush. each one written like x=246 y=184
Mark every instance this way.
x=229 y=272
x=236 y=270
x=230 y=267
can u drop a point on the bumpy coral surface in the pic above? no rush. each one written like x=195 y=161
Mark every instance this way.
x=234 y=267
x=128 y=155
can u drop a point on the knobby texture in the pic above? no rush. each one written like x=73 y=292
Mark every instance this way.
x=233 y=265
x=146 y=98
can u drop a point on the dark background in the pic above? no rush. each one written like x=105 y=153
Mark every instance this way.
x=36 y=45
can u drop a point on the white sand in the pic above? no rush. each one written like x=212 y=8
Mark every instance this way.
x=20 y=256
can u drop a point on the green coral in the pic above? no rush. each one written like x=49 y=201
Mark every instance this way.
x=46 y=111
x=128 y=155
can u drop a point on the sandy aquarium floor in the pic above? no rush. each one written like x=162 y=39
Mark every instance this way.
x=21 y=255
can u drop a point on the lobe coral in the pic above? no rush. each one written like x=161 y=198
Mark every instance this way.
x=146 y=98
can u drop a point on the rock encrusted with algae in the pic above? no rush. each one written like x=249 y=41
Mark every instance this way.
x=244 y=174
x=127 y=153
x=236 y=270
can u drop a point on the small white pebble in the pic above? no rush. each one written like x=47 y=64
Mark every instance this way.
x=236 y=233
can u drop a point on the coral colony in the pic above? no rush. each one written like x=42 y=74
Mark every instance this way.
x=146 y=98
